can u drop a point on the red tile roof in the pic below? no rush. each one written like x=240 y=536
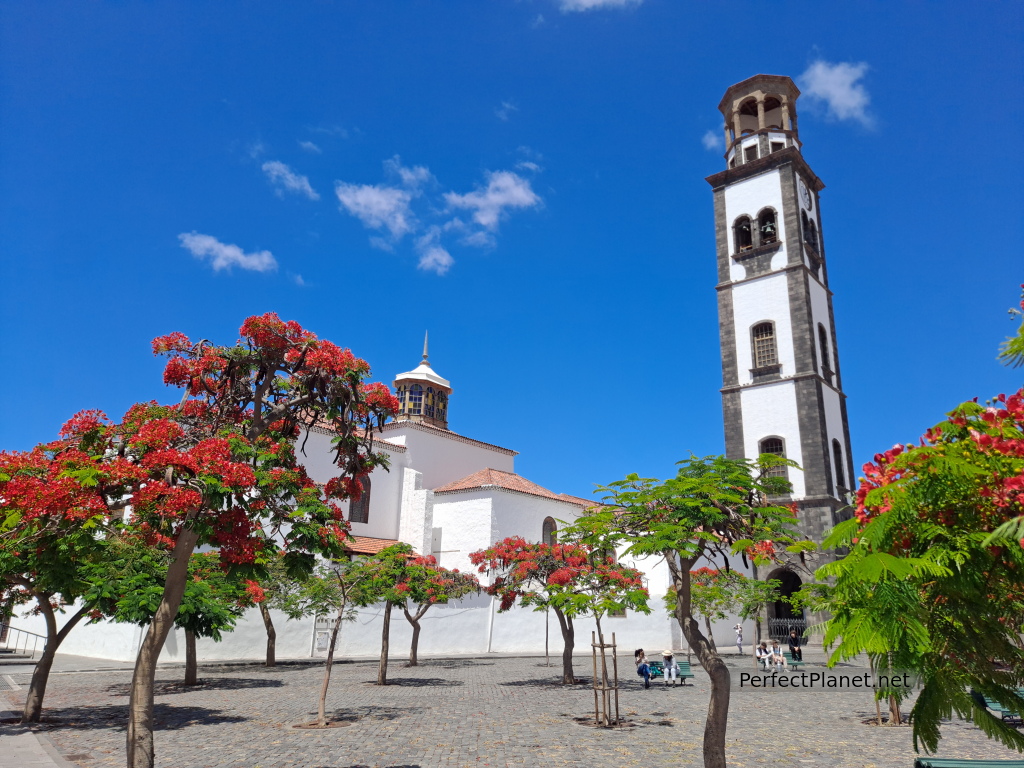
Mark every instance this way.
x=509 y=481
x=579 y=500
x=367 y=545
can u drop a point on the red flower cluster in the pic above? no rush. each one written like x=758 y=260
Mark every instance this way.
x=83 y=422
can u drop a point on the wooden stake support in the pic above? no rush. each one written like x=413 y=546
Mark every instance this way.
x=603 y=685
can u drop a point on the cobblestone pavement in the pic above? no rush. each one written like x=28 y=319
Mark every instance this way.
x=469 y=712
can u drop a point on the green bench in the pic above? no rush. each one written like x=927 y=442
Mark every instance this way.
x=795 y=663
x=658 y=670
x=935 y=762
x=1004 y=713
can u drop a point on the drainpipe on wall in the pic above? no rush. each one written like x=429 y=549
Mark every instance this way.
x=490 y=624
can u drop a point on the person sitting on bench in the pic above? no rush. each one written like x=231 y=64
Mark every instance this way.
x=794 y=646
x=764 y=656
x=777 y=657
x=671 y=668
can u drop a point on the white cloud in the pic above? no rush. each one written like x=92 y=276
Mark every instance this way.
x=538 y=22
x=378 y=206
x=505 y=190
x=309 y=146
x=285 y=179
x=436 y=259
x=410 y=177
x=567 y=6
x=256 y=148
x=836 y=86
x=712 y=140
x=528 y=165
x=225 y=256
x=505 y=111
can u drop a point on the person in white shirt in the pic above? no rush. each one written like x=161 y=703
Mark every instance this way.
x=764 y=655
x=671 y=668
x=739 y=638
x=777 y=657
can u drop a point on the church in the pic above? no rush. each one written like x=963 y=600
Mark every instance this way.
x=449 y=494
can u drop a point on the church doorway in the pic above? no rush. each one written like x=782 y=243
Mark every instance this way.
x=782 y=616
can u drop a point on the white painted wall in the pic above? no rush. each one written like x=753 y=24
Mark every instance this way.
x=765 y=298
x=771 y=410
x=749 y=196
x=466 y=522
x=443 y=459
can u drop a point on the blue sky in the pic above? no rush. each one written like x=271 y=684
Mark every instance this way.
x=524 y=178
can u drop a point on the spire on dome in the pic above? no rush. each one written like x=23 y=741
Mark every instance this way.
x=422 y=394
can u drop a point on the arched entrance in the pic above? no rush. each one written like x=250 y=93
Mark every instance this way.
x=782 y=617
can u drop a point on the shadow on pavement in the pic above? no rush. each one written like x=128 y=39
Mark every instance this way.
x=456 y=663
x=422 y=682
x=167 y=687
x=115 y=716
x=546 y=682
x=371 y=713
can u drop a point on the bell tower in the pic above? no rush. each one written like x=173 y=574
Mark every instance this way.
x=782 y=388
x=422 y=394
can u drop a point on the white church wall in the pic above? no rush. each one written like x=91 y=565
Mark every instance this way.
x=466 y=525
x=385 y=485
x=771 y=410
x=751 y=195
x=766 y=298
x=416 y=511
x=443 y=459
x=103 y=640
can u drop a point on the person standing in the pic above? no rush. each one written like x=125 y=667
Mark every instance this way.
x=739 y=638
x=794 y=646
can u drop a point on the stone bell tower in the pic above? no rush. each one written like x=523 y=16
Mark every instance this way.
x=782 y=388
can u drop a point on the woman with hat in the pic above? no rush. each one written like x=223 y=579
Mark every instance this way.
x=671 y=668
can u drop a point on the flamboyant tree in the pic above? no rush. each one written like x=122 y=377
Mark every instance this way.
x=572 y=579
x=934 y=578
x=54 y=520
x=219 y=468
x=423 y=584
x=714 y=507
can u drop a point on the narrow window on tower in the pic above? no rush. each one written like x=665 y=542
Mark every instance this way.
x=416 y=399
x=750 y=153
x=767 y=227
x=826 y=365
x=743 y=233
x=837 y=457
x=429 y=403
x=813 y=236
x=777 y=146
x=359 y=509
x=765 y=352
x=776 y=447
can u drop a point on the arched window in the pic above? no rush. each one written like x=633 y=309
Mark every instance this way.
x=549 y=531
x=767 y=227
x=415 y=399
x=776 y=447
x=765 y=352
x=826 y=365
x=743 y=234
x=813 y=236
x=442 y=406
x=359 y=509
x=428 y=403
x=837 y=458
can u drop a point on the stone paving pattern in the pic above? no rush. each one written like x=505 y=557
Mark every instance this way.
x=469 y=712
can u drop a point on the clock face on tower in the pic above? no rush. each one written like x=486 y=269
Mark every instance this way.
x=805 y=194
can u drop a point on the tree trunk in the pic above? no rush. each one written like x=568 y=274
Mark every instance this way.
x=321 y=706
x=415 y=621
x=382 y=670
x=191 y=670
x=757 y=626
x=140 y=703
x=37 y=688
x=895 y=716
x=271 y=635
x=711 y=635
x=569 y=638
x=718 y=707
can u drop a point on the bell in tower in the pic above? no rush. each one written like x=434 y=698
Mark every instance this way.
x=422 y=394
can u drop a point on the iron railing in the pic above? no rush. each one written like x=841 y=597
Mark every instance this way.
x=14 y=640
x=779 y=629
